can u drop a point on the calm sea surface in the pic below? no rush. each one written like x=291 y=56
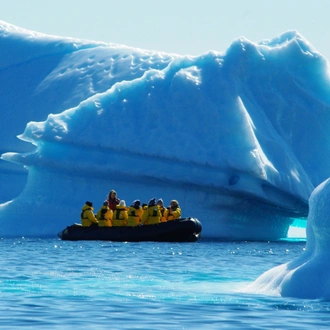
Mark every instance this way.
x=53 y=284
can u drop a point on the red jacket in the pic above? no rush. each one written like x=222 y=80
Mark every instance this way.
x=113 y=202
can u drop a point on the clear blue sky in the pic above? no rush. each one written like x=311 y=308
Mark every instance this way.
x=179 y=26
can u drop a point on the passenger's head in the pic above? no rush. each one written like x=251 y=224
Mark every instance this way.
x=160 y=202
x=112 y=194
x=89 y=203
x=174 y=204
x=105 y=203
x=152 y=202
x=122 y=203
x=136 y=203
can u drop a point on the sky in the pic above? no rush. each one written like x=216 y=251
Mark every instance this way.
x=175 y=26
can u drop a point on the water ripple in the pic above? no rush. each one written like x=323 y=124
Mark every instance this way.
x=96 y=285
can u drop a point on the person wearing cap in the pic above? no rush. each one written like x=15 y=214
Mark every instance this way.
x=135 y=213
x=87 y=215
x=113 y=200
x=174 y=210
x=162 y=209
x=120 y=215
x=152 y=214
x=104 y=215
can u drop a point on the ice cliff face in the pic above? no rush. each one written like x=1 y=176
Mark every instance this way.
x=240 y=138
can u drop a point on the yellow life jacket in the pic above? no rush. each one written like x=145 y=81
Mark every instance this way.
x=134 y=216
x=120 y=216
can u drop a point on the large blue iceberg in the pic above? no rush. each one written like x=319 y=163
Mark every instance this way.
x=240 y=138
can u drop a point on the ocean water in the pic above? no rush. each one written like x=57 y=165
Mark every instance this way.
x=53 y=284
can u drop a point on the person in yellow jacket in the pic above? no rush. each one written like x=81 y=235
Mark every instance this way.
x=135 y=213
x=144 y=208
x=104 y=215
x=163 y=210
x=152 y=214
x=120 y=215
x=87 y=215
x=174 y=211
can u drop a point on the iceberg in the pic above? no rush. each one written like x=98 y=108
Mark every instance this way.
x=308 y=276
x=240 y=138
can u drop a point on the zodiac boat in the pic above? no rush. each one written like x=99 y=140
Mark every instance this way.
x=179 y=230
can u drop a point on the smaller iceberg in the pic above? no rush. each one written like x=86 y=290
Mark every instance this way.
x=307 y=277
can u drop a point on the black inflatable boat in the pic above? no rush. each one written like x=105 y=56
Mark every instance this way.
x=180 y=230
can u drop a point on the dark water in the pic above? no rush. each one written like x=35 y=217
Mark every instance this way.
x=51 y=284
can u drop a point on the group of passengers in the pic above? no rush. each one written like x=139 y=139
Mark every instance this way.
x=114 y=212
